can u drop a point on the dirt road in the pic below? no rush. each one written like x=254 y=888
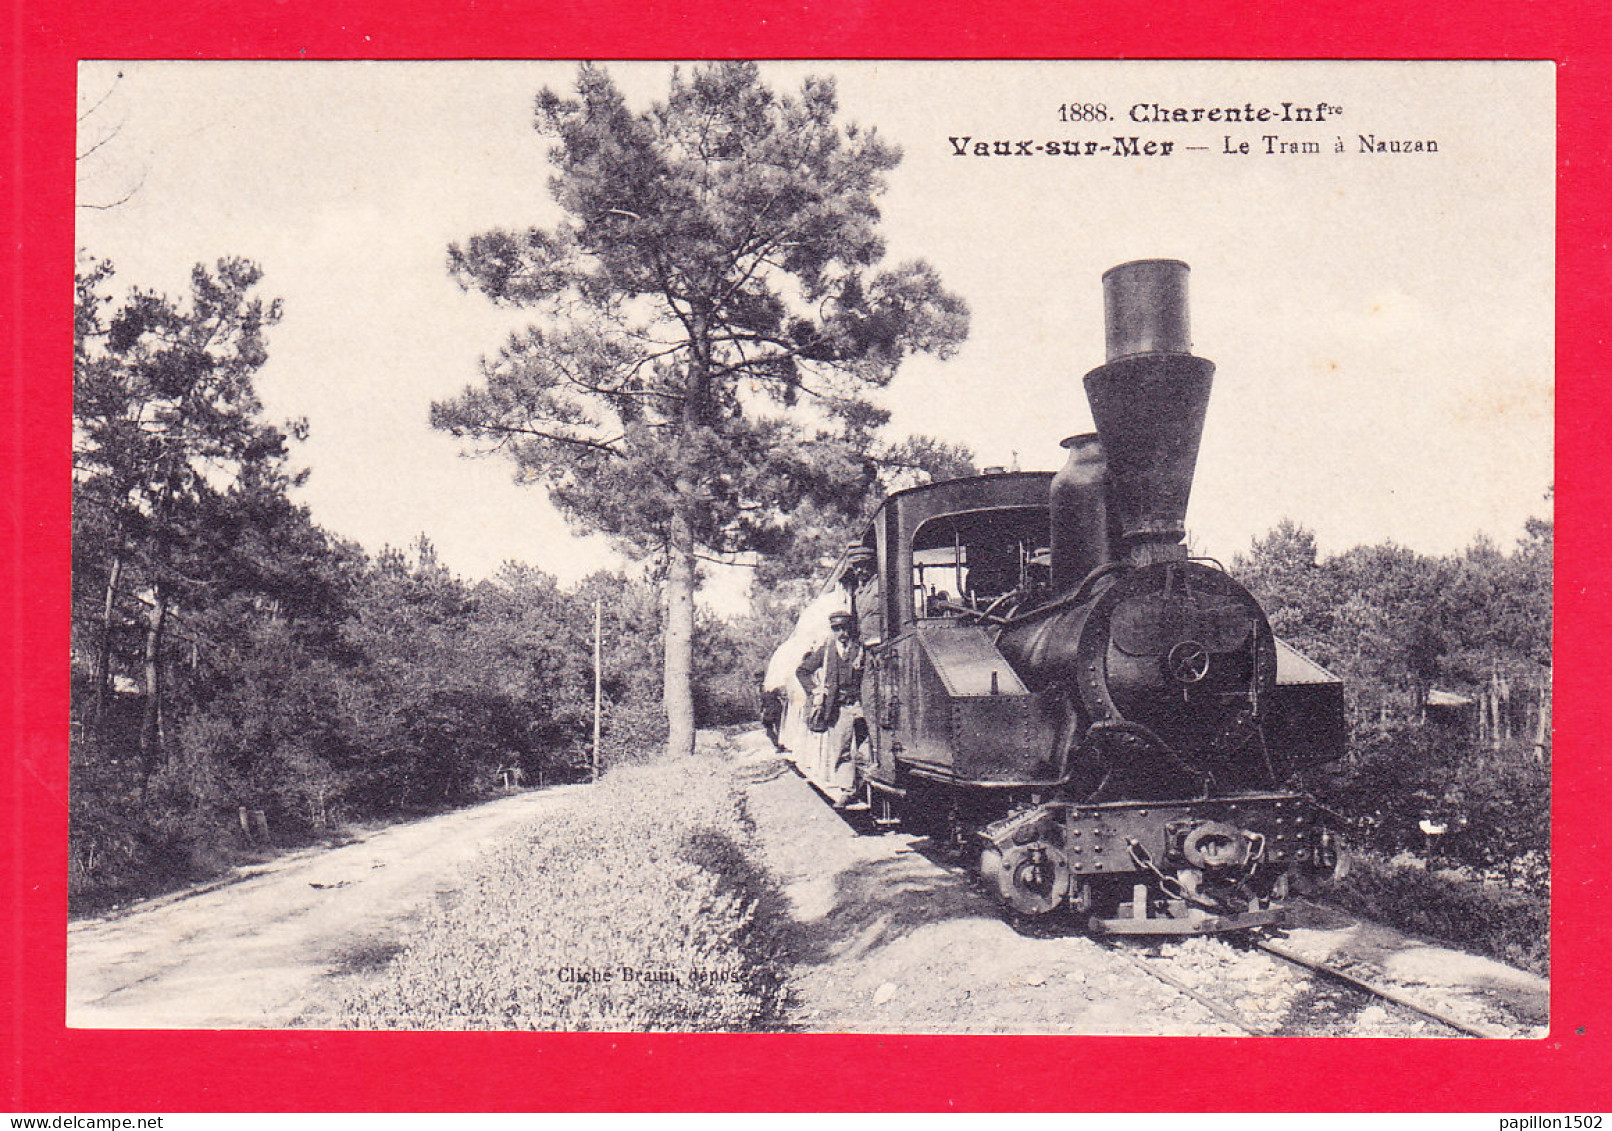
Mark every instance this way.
x=260 y=952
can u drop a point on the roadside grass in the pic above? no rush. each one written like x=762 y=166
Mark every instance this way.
x=1511 y=926
x=635 y=909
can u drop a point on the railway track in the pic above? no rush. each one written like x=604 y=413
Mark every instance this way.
x=1263 y=984
x=1316 y=999
x=1387 y=993
x=1299 y=1004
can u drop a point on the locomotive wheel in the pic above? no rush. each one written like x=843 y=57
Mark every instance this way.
x=1033 y=879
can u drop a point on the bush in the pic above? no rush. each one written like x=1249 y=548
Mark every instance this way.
x=134 y=835
x=726 y=699
x=634 y=732
x=1495 y=803
x=644 y=879
x=1510 y=926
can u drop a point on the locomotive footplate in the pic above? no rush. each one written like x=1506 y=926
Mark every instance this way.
x=1171 y=867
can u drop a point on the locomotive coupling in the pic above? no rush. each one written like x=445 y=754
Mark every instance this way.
x=1181 y=868
x=1215 y=844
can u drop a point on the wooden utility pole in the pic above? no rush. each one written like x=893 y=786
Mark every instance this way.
x=598 y=683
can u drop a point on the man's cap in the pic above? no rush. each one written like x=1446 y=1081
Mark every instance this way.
x=838 y=619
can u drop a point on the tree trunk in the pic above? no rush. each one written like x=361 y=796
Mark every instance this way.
x=103 y=655
x=679 y=665
x=1508 y=709
x=1542 y=730
x=1491 y=710
x=151 y=721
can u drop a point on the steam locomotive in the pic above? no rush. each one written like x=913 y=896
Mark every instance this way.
x=1055 y=688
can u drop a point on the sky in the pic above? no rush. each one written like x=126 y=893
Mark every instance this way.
x=1381 y=322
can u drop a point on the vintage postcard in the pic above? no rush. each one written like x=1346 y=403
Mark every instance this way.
x=1315 y=305
x=927 y=548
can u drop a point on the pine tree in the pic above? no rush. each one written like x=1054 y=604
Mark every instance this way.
x=170 y=454
x=713 y=316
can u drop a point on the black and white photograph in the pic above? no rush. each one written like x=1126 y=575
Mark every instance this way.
x=848 y=546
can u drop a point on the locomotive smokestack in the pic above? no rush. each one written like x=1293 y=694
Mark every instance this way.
x=1148 y=403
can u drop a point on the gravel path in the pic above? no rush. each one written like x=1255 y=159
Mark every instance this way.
x=886 y=940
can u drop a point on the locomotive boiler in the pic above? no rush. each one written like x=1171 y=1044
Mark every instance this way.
x=1054 y=686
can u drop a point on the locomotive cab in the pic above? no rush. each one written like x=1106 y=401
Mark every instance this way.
x=984 y=563
x=955 y=560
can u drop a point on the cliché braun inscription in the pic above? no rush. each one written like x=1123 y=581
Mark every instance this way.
x=632 y=975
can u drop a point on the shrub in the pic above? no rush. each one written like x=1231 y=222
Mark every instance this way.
x=634 y=732
x=1495 y=803
x=726 y=699
x=643 y=878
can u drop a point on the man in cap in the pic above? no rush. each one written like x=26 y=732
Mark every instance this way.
x=832 y=678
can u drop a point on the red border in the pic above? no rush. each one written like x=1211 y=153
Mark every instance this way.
x=56 y=1070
